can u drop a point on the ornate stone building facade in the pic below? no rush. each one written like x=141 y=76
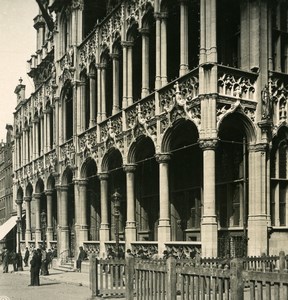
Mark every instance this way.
x=179 y=106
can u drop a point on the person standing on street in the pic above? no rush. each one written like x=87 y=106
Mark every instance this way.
x=26 y=257
x=33 y=268
x=82 y=255
x=5 y=260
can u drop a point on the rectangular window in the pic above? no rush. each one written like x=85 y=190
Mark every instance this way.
x=282 y=203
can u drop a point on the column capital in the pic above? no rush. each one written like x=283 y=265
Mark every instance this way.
x=260 y=147
x=62 y=188
x=163 y=157
x=91 y=76
x=103 y=176
x=208 y=144
x=130 y=168
x=101 y=66
x=18 y=201
x=27 y=198
x=82 y=182
x=36 y=195
x=127 y=44
x=183 y=1
x=164 y=15
x=48 y=192
x=144 y=31
x=114 y=56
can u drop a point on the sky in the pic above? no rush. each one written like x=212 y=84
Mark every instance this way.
x=17 y=44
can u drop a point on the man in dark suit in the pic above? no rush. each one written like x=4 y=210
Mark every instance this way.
x=82 y=255
x=26 y=257
x=33 y=269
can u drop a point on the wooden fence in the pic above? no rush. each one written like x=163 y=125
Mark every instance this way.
x=250 y=278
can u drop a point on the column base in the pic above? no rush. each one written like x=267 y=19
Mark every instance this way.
x=64 y=250
x=130 y=235
x=209 y=237
x=257 y=235
x=164 y=235
x=37 y=237
x=28 y=237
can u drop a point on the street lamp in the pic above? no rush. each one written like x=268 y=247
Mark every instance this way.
x=19 y=263
x=43 y=217
x=116 y=198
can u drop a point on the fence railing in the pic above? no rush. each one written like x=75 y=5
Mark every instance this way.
x=133 y=278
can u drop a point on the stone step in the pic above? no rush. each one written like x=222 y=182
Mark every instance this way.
x=65 y=268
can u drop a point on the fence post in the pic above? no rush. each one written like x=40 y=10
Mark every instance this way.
x=282 y=261
x=237 y=284
x=93 y=275
x=129 y=275
x=171 y=278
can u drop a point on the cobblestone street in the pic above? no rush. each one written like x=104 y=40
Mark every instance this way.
x=15 y=286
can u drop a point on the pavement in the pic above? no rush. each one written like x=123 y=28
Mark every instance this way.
x=75 y=278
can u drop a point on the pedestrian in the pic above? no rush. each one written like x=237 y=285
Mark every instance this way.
x=26 y=257
x=49 y=258
x=34 y=273
x=14 y=260
x=38 y=259
x=5 y=260
x=81 y=256
x=44 y=263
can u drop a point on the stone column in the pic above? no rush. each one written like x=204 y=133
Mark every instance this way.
x=36 y=123
x=44 y=131
x=164 y=227
x=115 y=58
x=184 y=68
x=145 y=62
x=42 y=137
x=164 y=17
x=103 y=92
x=99 y=103
x=130 y=231
x=63 y=222
x=49 y=194
x=28 y=233
x=26 y=131
x=15 y=152
x=104 y=226
x=48 y=126
x=158 y=51
x=257 y=216
x=209 y=228
x=31 y=144
x=19 y=216
x=129 y=73
x=23 y=148
x=37 y=198
x=58 y=135
x=83 y=232
x=92 y=79
x=124 y=101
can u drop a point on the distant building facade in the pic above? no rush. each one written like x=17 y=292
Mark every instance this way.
x=178 y=106
x=7 y=204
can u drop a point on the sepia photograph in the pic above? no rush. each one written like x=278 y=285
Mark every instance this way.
x=144 y=149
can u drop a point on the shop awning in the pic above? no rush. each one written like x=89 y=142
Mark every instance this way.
x=7 y=227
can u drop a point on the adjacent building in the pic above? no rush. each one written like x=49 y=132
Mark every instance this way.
x=7 y=204
x=155 y=124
